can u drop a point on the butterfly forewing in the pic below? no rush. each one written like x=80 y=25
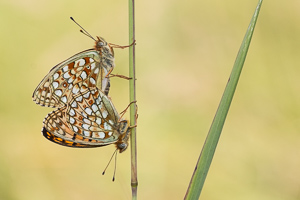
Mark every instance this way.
x=76 y=74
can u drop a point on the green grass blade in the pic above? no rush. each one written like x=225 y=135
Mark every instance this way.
x=207 y=153
x=132 y=96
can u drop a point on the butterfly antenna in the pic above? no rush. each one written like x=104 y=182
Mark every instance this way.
x=109 y=161
x=115 y=167
x=83 y=30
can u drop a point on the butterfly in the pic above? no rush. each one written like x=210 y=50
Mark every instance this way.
x=75 y=74
x=88 y=120
x=78 y=73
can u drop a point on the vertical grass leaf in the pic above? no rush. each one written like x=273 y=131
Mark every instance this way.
x=208 y=150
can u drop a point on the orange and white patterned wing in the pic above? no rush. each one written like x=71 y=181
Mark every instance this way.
x=69 y=77
x=56 y=130
x=92 y=115
x=89 y=120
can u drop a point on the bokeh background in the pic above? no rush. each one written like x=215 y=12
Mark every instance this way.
x=185 y=51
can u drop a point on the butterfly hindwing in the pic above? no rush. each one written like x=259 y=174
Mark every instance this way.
x=87 y=115
x=89 y=120
x=56 y=129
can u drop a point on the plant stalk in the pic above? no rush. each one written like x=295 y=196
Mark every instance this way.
x=132 y=96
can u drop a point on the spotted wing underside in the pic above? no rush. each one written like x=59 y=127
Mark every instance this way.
x=91 y=114
x=75 y=74
x=56 y=129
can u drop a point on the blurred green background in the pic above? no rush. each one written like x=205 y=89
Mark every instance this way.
x=185 y=51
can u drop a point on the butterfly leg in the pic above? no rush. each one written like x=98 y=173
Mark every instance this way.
x=121 y=47
x=136 y=117
x=120 y=76
x=124 y=111
x=109 y=75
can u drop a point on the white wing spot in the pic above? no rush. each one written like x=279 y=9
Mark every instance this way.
x=86 y=95
x=107 y=126
x=74 y=104
x=44 y=93
x=91 y=60
x=47 y=84
x=85 y=120
x=83 y=114
x=88 y=111
x=104 y=114
x=92 y=80
x=72 y=112
x=79 y=99
x=64 y=99
x=71 y=79
x=109 y=133
x=85 y=126
x=98 y=101
x=55 y=84
x=82 y=89
x=58 y=92
x=72 y=120
x=66 y=68
x=83 y=75
x=93 y=65
x=98 y=120
x=75 y=89
x=101 y=135
x=75 y=129
x=81 y=62
x=55 y=76
x=86 y=133
x=66 y=75
x=94 y=107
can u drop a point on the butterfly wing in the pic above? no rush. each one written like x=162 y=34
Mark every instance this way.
x=71 y=76
x=92 y=115
x=89 y=120
x=56 y=130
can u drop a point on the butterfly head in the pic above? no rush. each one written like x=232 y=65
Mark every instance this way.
x=122 y=146
x=100 y=43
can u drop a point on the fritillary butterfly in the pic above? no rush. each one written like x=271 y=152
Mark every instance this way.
x=75 y=74
x=88 y=120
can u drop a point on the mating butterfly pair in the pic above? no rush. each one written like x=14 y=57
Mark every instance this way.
x=85 y=116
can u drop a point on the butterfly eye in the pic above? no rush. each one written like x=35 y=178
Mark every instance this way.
x=100 y=43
